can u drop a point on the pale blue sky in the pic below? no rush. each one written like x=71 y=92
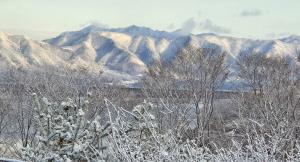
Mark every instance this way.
x=264 y=19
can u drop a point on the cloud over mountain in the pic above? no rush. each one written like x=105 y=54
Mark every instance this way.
x=208 y=26
x=188 y=26
x=191 y=25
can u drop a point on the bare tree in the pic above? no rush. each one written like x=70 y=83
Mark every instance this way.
x=271 y=110
x=192 y=78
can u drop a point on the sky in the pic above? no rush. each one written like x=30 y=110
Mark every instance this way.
x=259 y=19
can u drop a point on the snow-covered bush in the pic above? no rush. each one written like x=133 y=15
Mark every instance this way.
x=64 y=134
x=134 y=137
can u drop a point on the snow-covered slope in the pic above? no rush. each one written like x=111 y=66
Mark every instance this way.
x=139 y=47
x=21 y=51
x=236 y=46
x=293 y=39
x=108 y=49
x=128 y=51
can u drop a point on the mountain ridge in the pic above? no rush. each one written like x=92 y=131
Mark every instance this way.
x=130 y=50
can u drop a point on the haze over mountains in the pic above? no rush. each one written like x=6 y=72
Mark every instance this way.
x=127 y=53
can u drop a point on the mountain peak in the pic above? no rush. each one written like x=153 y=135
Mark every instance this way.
x=207 y=34
x=135 y=30
x=135 y=27
x=94 y=27
x=294 y=39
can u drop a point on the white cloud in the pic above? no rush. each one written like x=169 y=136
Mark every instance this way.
x=188 y=26
x=171 y=26
x=191 y=25
x=208 y=26
x=94 y=23
x=253 y=12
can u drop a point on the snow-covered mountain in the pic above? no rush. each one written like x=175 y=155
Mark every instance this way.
x=134 y=48
x=128 y=51
x=21 y=51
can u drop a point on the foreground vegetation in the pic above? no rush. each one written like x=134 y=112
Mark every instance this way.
x=53 y=115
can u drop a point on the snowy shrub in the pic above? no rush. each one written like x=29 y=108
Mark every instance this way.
x=64 y=134
x=134 y=137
